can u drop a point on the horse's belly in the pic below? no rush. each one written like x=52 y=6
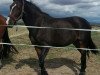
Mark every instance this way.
x=60 y=38
x=64 y=41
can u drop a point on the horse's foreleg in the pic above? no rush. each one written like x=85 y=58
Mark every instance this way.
x=83 y=63
x=42 y=52
x=83 y=58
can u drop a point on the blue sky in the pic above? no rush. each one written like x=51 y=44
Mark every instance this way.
x=89 y=9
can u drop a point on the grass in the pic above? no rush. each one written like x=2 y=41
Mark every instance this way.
x=64 y=61
x=23 y=39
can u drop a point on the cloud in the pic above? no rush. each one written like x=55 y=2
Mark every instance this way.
x=65 y=8
x=84 y=8
x=53 y=9
x=65 y=2
x=5 y=1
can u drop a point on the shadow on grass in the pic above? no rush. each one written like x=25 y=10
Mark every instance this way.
x=50 y=64
x=7 y=61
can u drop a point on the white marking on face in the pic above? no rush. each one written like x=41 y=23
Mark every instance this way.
x=7 y=21
x=12 y=8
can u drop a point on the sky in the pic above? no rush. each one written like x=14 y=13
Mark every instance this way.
x=88 y=9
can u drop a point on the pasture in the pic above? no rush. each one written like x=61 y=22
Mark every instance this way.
x=64 y=61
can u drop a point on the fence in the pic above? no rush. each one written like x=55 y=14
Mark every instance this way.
x=21 y=26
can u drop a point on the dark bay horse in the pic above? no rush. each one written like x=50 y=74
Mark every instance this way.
x=4 y=38
x=33 y=16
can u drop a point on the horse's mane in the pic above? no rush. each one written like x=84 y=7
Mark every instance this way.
x=33 y=6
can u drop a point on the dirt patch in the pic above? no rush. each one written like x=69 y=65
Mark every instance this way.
x=58 y=62
x=62 y=63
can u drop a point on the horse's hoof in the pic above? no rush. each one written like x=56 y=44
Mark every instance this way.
x=82 y=73
x=44 y=73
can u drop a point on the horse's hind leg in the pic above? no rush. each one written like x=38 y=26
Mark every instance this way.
x=80 y=44
x=42 y=52
x=1 y=62
x=1 y=57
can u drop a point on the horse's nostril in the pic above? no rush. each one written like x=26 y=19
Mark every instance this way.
x=10 y=24
x=9 y=21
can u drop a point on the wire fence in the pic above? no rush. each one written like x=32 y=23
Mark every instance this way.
x=21 y=26
x=49 y=46
x=37 y=27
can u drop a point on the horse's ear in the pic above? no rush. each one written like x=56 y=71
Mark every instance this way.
x=22 y=0
x=19 y=0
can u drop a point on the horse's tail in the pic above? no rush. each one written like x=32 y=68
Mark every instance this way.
x=6 y=47
x=93 y=46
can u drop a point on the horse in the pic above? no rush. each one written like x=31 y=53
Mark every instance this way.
x=52 y=36
x=5 y=49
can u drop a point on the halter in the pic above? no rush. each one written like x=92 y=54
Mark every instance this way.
x=20 y=16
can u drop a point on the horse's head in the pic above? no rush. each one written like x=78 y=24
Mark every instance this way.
x=16 y=11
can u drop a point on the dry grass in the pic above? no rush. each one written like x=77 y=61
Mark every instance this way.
x=58 y=61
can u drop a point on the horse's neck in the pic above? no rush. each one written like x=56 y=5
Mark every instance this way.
x=30 y=17
x=30 y=20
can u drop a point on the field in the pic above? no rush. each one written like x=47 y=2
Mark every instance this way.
x=65 y=61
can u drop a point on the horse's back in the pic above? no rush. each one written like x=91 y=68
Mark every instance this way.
x=68 y=22
x=62 y=37
x=78 y=22
x=56 y=35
